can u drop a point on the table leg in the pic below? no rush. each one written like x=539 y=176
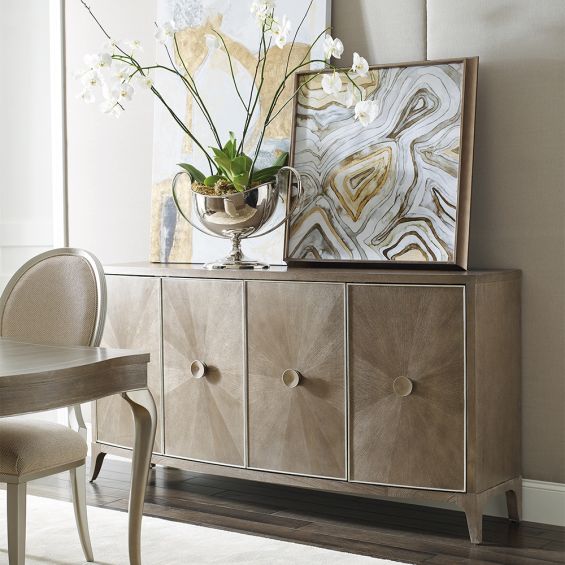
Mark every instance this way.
x=145 y=418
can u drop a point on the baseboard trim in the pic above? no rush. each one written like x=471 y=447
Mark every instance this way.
x=544 y=502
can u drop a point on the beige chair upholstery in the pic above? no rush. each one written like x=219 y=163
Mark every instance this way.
x=28 y=447
x=56 y=298
x=54 y=302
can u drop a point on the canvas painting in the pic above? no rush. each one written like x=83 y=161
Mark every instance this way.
x=398 y=189
x=172 y=239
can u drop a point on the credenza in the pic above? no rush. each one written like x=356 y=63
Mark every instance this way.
x=401 y=383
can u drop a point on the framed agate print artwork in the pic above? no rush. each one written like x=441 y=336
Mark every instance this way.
x=397 y=189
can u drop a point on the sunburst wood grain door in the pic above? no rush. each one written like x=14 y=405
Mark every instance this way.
x=133 y=321
x=203 y=358
x=296 y=377
x=407 y=385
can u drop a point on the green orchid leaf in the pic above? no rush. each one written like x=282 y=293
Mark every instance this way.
x=230 y=148
x=218 y=152
x=212 y=180
x=240 y=181
x=241 y=164
x=223 y=162
x=281 y=160
x=196 y=175
x=266 y=174
x=269 y=173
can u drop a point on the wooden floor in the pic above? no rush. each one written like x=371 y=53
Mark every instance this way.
x=395 y=531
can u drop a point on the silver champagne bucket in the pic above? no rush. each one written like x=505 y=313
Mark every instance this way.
x=242 y=215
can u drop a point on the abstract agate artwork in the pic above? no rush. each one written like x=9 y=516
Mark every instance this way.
x=398 y=189
x=172 y=238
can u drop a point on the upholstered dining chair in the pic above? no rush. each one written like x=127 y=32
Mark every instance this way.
x=56 y=298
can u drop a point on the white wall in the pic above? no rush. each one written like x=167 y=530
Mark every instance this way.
x=25 y=143
x=109 y=159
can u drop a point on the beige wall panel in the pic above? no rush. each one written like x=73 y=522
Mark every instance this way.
x=518 y=206
x=382 y=31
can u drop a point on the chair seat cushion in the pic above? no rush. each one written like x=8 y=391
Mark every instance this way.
x=32 y=446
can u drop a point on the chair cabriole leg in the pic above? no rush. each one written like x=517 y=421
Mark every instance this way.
x=78 y=484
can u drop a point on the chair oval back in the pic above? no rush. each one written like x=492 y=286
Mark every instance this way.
x=56 y=298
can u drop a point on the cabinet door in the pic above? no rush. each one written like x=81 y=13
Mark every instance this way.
x=296 y=327
x=407 y=385
x=203 y=360
x=133 y=321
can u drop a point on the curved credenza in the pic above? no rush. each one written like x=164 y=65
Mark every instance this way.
x=402 y=383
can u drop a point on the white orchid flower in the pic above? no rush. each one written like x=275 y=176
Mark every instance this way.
x=132 y=46
x=360 y=66
x=332 y=47
x=366 y=111
x=110 y=46
x=98 y=60
x=122 y=92
x=91 y=78
x=352 y=96
x=262 y=10
x=165 y=32
x=144 y=81
x=111 y=107
x=280 y=31
x=87 y=96
x=122 y=73
x=331 y=83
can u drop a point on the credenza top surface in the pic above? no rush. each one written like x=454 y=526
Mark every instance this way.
x=316 y=274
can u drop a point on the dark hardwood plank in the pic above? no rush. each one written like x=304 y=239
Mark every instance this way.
x=440 y=545
x=379 y=528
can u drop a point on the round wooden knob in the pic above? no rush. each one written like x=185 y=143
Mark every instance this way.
x=198 y=369
x=291 y=378
x=402 y=386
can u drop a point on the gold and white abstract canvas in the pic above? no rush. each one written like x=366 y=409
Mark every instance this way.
x=172 y=239
x=387 y=191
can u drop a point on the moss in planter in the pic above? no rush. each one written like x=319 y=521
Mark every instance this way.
x=221 y=188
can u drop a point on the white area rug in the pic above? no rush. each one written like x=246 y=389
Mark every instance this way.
x=52 y=539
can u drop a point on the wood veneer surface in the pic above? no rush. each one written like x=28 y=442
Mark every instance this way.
x=203 y=320
x=416 y=333
x=296 y=326
x=133 y=321
x=498 y=402
x=320 y=274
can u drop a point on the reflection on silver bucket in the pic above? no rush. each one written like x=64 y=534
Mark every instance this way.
x=240 y=216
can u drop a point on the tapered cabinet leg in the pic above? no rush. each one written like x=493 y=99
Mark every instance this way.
x=472 y=504
x=514 y=501
x=145 y=421
x=96 y=465
x=16 y=498
x=78 y=484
